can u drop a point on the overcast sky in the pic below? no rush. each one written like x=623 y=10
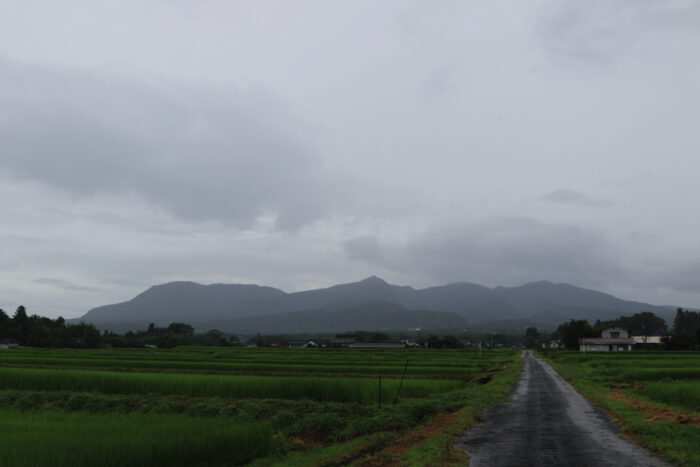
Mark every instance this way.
x=302 y=144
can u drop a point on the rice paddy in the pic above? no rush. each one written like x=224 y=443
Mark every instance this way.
x=67 y=439
x=230 y=406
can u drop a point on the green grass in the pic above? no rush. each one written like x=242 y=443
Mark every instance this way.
x=665 y=379
x=679 y=393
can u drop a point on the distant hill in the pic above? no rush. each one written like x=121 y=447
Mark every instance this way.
x=374 y=316
x=370 y=304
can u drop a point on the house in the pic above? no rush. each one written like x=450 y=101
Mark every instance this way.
x=613 y=339
x=302 y=344
x=6 y=343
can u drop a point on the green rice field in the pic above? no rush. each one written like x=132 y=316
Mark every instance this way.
x=234 y=405
x=655 y=395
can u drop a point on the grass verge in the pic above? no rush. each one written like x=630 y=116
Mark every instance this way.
x=672 y=440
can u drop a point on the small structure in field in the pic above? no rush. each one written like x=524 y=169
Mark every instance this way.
x=613 y=339
x=647 y=342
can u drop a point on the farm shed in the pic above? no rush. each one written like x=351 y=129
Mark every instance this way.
x=647 y=342
x=647 y=339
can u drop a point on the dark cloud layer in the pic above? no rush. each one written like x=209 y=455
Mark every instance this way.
x=228 y=156
x=602 y=32
x=498 y=251
x=65 y=285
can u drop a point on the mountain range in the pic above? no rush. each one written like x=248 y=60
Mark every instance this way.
x=370 y=304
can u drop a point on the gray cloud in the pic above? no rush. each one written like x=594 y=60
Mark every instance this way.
x=201 y=155
x=65 y=285
x=366 y=248
x=566 y=196
x=601 y=32
x=503 y=251
x=681 y=278
x=295 y=137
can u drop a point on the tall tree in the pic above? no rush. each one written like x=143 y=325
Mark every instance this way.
x=573 y=330
x=532 y=337
x=644 y=324
x=20 y=315
x=686 y=323
x=182 y=329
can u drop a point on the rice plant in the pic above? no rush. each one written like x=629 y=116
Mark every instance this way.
x=79 y=439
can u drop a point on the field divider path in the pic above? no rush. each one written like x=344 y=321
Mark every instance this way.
x=548 y=423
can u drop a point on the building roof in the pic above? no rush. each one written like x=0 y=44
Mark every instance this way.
x=606 y=340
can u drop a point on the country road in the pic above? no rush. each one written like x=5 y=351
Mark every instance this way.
x=548 y=423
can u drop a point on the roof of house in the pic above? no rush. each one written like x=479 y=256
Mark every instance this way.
x=606 y=340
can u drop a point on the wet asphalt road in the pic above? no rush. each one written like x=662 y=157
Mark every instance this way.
x=549 y=424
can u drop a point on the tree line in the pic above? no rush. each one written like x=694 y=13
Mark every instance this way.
x=40 y=331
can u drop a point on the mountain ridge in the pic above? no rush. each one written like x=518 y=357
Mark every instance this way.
x=233 y=305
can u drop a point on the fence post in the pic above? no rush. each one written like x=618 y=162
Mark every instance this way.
x=396 y=399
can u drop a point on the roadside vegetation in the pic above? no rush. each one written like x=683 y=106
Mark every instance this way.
x=653 y=396
x=236 y=405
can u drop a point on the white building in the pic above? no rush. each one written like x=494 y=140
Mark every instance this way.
x=613 y=339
